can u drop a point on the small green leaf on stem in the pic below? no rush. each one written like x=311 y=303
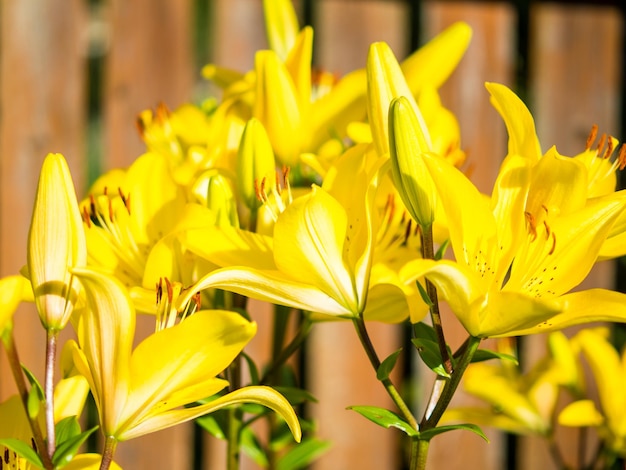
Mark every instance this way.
x=385 y=368
x=486 y=354
x=66 y=450
x=441 y=250
x=23 y=450
x=430 y=433
x=430 y=354
x=424 y=294
x=303 y=454
x=385 y=418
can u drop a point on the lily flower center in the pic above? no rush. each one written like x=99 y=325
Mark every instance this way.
x=111 y=216
x=275 y=197
x=166 y=294
x=604 y=150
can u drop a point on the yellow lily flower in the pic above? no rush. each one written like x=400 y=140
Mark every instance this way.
x=127 y=214
x=143 y=390
x=320 y=256
x=56 y=243
x=514 y=267
x=281 y=25
x=600 y=169
x=608 y=367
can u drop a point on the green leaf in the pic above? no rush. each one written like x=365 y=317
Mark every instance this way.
x=430 y=433
x=385 y=368
x=385 y=418
x=35 y=395
x=424 y=294
x=34 y=403
x=66 y=429
x=214 y=423
x=301 y=455
x=442 y=250
x=486 y=354
x=251 y=446
x=425 y=331
x=429 y=352
x=66 y=451
x=23 y=450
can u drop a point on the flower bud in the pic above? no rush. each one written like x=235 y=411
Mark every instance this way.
x=217 y=190
x=407 y=143
x=277 y=106
x=385 y=82
x=281 y=24
x=56 y=243
x=255 y=163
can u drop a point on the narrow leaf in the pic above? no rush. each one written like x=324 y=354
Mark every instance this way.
x=385 y=368
x=430 y=433
x=429 y=352
x=67 y=450
x=486 y=354
x=385 y=418
x=23 y=450
x=66 y=429
x=303 y=454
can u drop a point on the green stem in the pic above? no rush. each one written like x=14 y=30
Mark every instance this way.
x=234 y=417
x=18 y=375
x=453 y=382
x=110 y=444
x=366 y=342
x=288 y=351
x=418 y=460
x=51 y=353
x=428 y=252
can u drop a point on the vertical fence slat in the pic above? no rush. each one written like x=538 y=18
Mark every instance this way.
x=42 y=94
x=150 y=60
x=575 y=59
x=490 y=57
x=339 y=373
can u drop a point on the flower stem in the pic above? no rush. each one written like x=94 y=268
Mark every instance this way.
x=428 y=252
x=51 y=353
x=110 y=445
x=419 y=454
x=16 y=369
x=282 y=356
x=366 y=342
x=453 y=382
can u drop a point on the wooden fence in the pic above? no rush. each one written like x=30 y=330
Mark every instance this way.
x=565 y=59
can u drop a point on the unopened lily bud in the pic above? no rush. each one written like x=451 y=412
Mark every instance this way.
x=255 y=163
x=56 y=243
x=277 y=106
x=281 y=24
x=220 y=199
x=408 y=142
x=385 y=81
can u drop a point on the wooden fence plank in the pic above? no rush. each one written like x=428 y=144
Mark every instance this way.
x=490 y=57
x=150 y=60
x=42 y=93
x=338 y=371
x=575 y=59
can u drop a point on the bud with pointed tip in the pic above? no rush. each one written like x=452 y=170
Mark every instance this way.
x=407 y=143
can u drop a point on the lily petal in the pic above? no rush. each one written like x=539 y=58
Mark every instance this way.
x=261 y=395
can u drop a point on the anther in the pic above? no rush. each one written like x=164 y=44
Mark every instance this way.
x=553 y=244
x=548 y=231
x=592 y=137
x=601 y=143
x=609 y=148
x=622 y=157
x=532 y=227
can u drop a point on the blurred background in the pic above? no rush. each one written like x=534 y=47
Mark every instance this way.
x=74 y=74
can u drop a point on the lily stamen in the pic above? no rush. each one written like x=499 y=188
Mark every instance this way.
x=592 y=137
x=532 y=226
x=553 y=244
